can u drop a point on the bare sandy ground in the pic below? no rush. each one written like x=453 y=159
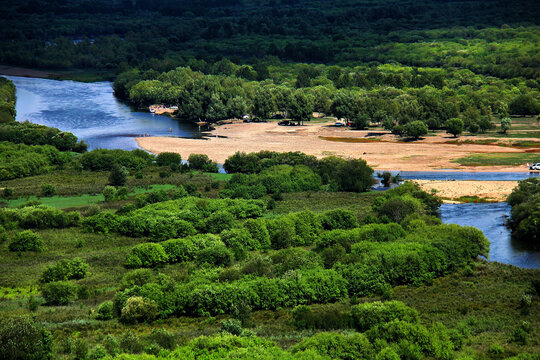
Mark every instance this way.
x=495 y=191
x=429 y=154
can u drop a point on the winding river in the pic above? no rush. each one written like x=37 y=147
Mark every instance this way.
x=92 y=113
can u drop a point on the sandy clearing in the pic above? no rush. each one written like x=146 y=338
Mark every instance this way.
x=429 y=154
x=496 y=191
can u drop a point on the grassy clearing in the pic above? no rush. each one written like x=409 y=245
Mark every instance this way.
x=501 y=159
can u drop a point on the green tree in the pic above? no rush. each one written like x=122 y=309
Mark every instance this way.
x=355 y=175
x=505 y=125
x=416 y=129
x=300 y=107
x=118 y=176
x=454 y=126
x=24 y=339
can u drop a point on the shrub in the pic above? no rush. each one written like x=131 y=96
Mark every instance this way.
x=339 y=219
x=169 y=159
x=328 y=316
x=368 y=315
x=239 y=241
x=80 y=349
x=219 y=221
x=22 y=338
x=454 y=126
x=163 y=338
x=100 y=223
x=354 y=176
x=202 y=162
x=295 y=259
x=415 y=129
x=105 y=311
x=338 y=346
x=27 y=241
x=76 y=268
x=232 y=326
x=398 y=208
x=138 y=309
x=118 y=176
x=217 y=255
x=40 y=217
x=48 y=190
x=137 y=277
x=59 y=292
x=258 y=231
x=109 y=193
x=146 y=255
x=281 y=231
x=130 y=343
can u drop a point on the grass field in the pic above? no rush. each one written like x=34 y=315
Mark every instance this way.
x=498 y=159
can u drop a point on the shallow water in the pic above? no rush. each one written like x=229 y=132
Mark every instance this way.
x=465 y=175
x=91 y=112
x=491 y=219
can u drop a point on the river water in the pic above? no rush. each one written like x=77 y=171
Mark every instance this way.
x=92 y=113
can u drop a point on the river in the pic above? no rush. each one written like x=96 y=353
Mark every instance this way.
x=92 y=113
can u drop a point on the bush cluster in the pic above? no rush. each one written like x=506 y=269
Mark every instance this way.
x=27 y=241
x=39 y=217
x=73 y=269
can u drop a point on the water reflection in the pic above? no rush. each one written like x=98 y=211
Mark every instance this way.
x=91 y=112
x=491 y=219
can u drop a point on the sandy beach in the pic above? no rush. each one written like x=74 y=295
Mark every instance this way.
x=450 y=191
x=382 y=152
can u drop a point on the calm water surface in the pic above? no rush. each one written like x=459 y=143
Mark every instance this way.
x=91 y=112
x=491 y=218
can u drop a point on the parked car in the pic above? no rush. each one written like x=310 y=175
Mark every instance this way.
x=284 y=123
x=535 y=166
x=339 y=124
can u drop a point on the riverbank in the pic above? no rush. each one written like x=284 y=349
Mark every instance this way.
x=75 y=75
x=469 y=190
x=382 y=150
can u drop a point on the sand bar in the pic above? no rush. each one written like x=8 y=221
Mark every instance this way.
x=381 y=152
x=496 y=191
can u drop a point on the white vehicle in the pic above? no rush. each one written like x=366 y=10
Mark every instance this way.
x=535 y=166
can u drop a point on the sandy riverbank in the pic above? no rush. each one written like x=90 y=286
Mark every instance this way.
x=381 y=152
x=495 y=191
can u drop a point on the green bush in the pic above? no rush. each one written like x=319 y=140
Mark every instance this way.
x=282 y=232
x=76 y=268
x=22 y=338
x=219 y=221
x=338 y=219
x=48 y=190
x=368 y=315
x=239 y=241
x=146 y=255
x=109 y=193
x=258 y=231
x=202 y=162
x=59 y=292
x=217 y=255
x=398 y=208
x=118 y=176
x=338 y=346
x=138 y=309
x=137 y=277
x=105 y=311
x=168 y=159
x=39 y=217
x=165 y=339
x=294 y=259
x=27 y=241
x=328 y=316
x=354 y=175
x=232 y=326
x=415 y=129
